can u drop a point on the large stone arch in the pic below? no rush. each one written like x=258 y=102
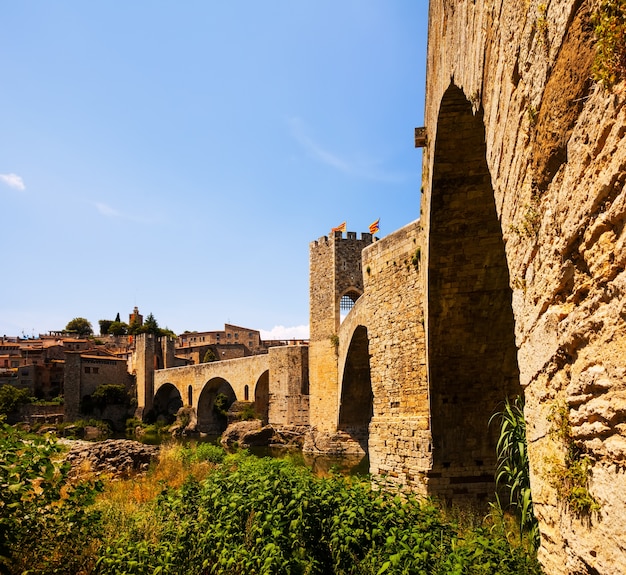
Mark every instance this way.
x=167 y=401
x=355 y=406
x=209 y=420
x=472 y=357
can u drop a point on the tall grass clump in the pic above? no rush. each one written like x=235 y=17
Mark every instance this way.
x=513 y=473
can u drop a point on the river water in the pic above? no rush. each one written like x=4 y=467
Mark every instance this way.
x=320 y=464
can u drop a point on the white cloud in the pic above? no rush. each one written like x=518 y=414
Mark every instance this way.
x=314 y=149
x=13 y=181
x=282 y=332
x=361 y=168
x=107 y=211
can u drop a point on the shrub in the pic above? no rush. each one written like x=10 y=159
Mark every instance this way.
x=512 y=473
x=46 y=525
x=267 y=516
x=12 y=397
x=610 y=29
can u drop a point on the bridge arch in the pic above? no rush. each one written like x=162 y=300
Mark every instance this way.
x=167 y=401
x=472 y=357
x=262 y=396
x=216 y=396
x=355 y=394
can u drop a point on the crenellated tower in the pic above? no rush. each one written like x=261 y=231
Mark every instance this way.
x=335 y=283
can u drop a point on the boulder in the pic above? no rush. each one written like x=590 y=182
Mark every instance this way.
x=114 y=457
x=247 y=434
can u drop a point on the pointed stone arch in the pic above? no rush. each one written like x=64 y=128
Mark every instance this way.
x=167 y=401
x=262 y=396
x=472 y=357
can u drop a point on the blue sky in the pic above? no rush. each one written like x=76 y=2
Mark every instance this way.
x=181 y=156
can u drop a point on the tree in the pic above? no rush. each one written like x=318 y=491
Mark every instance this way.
x=12 y=397
x=117 y=317
x=118 y=328
x=80 y=326
x=150 y=325
x=105 y=324
x=209 y=356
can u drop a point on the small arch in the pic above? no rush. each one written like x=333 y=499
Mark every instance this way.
x=262 y=396
x=347 y=301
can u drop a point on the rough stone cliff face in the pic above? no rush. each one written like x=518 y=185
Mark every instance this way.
x=549 y=146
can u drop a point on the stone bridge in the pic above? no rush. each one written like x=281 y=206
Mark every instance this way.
x=197 y=386
x=511 y=282
x=524 y=214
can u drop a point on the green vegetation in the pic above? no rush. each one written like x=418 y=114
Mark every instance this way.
x=80 y=326
x=569 y=476
x=47 y=524
x=417 y=258
x=609 y=23
x=202 y=511
x=512 y=474
x=209 y=356
x=12 y=397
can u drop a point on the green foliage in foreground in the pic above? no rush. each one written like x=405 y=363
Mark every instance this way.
x=267 y=516
x=248 y=516
x=46 y=524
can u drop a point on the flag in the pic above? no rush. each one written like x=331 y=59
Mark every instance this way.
x=375 y=226
x=341 y=228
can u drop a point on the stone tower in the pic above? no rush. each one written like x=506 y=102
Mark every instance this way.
x=336 y=281
x=151 y=352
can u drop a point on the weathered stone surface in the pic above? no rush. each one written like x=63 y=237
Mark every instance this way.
x=555 y=158
x=247 y=434
x=115 y=457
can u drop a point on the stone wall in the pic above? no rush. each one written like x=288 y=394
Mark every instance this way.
x=399 y=432
x=512 y=114
x=289 y=390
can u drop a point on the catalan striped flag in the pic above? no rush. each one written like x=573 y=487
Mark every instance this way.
x=342 y=228
x=375 y=226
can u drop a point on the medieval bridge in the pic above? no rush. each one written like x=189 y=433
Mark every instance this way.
x=513 y=281
x=198 y=386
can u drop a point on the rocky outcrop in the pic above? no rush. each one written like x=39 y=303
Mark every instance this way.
x=113 y=457
x=247 y=434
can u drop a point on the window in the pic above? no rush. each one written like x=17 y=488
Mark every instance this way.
x=348 y=300
x=87 y=370
x=15 y=364
x=236 y=336
x=95 y=369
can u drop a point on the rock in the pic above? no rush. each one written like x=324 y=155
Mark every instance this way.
x=247 y=434
x=114 y=457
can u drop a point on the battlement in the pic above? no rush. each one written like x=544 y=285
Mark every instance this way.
x=350 y=236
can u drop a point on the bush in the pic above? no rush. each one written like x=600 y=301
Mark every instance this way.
x=12 y=397
x=267 y=516
x=610 y=29
x=46 y=525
